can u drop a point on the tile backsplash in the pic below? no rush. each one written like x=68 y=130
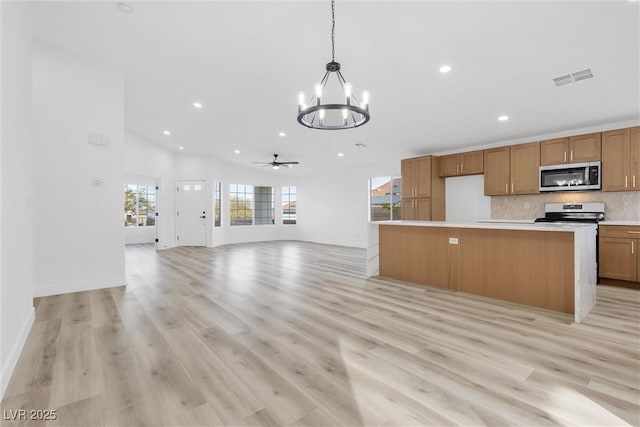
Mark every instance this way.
x=619 y=206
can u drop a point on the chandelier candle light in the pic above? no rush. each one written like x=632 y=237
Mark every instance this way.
x=345 y=112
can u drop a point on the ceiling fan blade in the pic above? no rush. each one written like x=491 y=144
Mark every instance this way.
x=289 y=163
x=261 y=163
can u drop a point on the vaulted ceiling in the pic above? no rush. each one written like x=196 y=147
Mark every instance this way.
x=246 y=61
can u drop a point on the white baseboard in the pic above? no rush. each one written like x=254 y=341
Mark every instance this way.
x=67 y=288
x=14 y=353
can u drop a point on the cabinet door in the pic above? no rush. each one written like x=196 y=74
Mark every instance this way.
x=585 y=148
x=616 y=146
x=472 y=163
x=554 y=151
x=408 y=212
x=423 y=209
x=634 y=158
x=618 y=258
x=450 y=165
x=525 y=168
x=423 y=176
x=407 y=169
x=496 y=171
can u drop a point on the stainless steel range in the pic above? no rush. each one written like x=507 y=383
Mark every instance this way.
x=573 y=212
x=576 y=212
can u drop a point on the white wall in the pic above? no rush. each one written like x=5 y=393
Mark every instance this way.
x=16 y=190
x=333 y=207
x=79 y=233
x=465 y=200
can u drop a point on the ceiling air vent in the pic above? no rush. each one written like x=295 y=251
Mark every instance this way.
x=573 y=77
x=582 y=75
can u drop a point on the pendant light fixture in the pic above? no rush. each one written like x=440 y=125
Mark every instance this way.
x=337 y=109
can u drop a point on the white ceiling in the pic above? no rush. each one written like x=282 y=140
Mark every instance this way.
x=246 y=61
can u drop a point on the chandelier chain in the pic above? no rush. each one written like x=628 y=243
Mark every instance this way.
x=333 y=30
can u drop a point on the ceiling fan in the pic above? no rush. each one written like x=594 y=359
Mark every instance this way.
x=275 y=164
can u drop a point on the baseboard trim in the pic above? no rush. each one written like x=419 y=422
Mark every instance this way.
x=45 y=291
x=14 y=354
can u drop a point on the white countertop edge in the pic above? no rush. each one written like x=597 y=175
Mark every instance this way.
x=492 y=225
x=636 y=223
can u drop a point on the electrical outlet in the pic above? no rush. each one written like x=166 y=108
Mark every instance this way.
x=453 y=240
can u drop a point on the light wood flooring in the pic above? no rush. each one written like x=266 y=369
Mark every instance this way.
x=292 y=333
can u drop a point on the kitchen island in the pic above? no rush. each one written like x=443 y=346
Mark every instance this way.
x=548 y=265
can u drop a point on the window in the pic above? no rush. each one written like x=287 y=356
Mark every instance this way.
x=264 y=205
x=217 y=204
x=241 y=204
x=139 y=205
x=289 y=202
x=385 y=198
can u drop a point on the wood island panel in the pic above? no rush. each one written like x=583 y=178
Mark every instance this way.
x=534 y=268
x=528 y=267
x=415 y=254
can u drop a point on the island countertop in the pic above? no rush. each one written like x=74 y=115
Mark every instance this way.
x=526 y=226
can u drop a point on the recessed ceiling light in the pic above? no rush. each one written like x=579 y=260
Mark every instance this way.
x=503 y=118
x=125 y=8
x=282 y=134
x=197 y=105
x=236 y=151
x=166 y=132
x=181 y=148
x=340 y=154
x=445 y=69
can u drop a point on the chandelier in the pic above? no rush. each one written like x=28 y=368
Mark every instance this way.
x=337 y=107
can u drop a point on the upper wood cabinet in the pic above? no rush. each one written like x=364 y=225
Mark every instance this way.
x=575 y=149
x=554 y=151
x=621 y=160
x=416 y=177
x=497 y=171
x=525 y=168
x=423 y=195
x=470 y=163
x=585 y=148
x=512 y=170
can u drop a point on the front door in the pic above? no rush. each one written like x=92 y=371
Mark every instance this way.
x=191 y=213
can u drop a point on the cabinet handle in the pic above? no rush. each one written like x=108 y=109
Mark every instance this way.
x=571 y=159
x=633 y=232
x=512 y=188
x=632 y=247
x=506 y=187
x=625 y=181
x=461 y=166
x=634 y=181
x=565 y=157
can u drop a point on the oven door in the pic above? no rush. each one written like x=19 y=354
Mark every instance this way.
x=574 y=177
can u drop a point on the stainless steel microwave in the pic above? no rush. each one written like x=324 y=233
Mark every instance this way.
x=570 y=177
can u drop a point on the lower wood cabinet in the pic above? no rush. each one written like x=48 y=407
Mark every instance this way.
x=416 y=209
x=619 y=258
